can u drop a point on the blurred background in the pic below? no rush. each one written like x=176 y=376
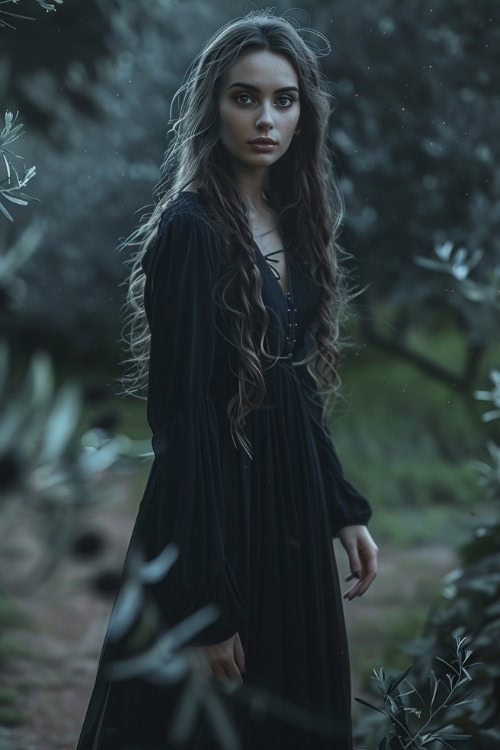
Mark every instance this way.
x=86 y=88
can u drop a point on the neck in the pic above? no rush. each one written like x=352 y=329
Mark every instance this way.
x=250 y=184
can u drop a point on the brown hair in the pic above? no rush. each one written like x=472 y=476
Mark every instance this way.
x=301 y=188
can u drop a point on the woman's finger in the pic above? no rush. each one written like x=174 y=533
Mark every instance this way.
x=219 y=671
x=370 y=571
x=360 y=587
x=227 y=671
x=239 y=655
x=355 y=563
x=221 y=659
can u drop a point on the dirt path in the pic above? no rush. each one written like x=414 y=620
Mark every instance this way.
x=55 y=680
x=56 y=676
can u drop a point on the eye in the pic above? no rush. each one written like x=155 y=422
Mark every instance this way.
x=239 y=96
x=288 y=98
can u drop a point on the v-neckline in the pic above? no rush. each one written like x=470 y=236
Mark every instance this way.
x=289 y=293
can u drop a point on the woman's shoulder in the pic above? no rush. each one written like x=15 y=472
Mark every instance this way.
x=182 y=230
x=184 y=203
x=186 y=214
x=183 y=238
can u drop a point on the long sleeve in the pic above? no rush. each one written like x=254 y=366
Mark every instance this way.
x=188 y=506
x=346 y=506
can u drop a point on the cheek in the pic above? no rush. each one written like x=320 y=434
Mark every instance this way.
x=286 y=121
x=293 y=118
x=231 y=119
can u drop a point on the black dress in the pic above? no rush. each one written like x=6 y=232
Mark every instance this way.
x=255 y=537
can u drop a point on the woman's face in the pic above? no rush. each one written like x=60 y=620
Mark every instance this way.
x=256 y=107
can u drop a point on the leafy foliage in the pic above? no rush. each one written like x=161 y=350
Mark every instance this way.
x=7 y=136
x=470 y=596
x=405 y=737
x=415 y=113
x=4 y=14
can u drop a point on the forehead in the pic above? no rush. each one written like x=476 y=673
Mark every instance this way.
x=262 y=68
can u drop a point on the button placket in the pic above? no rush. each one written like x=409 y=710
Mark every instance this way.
x=291 y=324
x=290 y=302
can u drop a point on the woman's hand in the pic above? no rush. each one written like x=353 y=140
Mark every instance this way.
x=226 y=660
x=362 y=553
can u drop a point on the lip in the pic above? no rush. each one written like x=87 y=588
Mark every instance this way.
x=264 y=141
x=263 y=147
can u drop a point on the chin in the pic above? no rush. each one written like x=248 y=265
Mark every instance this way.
x=269 y=155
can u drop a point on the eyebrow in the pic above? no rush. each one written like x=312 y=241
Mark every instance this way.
x=251 y=87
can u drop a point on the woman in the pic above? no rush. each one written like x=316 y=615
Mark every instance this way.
x=237 y=295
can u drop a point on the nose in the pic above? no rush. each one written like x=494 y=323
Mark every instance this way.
x=265 y=119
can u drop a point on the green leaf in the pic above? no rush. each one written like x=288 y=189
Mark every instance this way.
x=365 y=703
x=399 y=679
x=4 y=210
x=455 y=701
x=14 y=199
x=436 y=683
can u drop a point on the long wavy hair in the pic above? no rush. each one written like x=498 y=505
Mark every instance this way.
x=300 y=187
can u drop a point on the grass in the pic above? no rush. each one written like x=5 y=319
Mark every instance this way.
x=413 y=528
x=406 y=440
x=403 y=623
x=13 y=615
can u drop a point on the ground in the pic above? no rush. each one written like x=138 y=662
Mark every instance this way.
x=55 y=668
